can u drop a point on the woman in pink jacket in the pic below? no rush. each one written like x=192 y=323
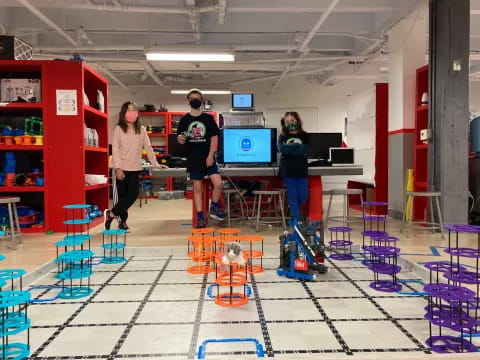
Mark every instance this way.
x=129 y=139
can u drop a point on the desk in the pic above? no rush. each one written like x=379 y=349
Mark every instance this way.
x=315 y=203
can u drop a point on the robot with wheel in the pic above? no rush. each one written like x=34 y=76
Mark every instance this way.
x=302 y=252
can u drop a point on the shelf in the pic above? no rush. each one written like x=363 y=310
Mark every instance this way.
x=422 y=107
x=157 y=135
x=21 y=106
x=95 y=112
x=421 y=184
x=421 y=146
x=95 y=187
x=93 y=74
x=4 y=189
x=33 y=230
x=21 y=147
x=96 y=149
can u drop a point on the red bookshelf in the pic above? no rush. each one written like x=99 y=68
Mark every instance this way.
x=420 y=163
x=65 y=157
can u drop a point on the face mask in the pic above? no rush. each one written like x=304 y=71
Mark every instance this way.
x=131 y=116
x=195 y=103
x=292 y=126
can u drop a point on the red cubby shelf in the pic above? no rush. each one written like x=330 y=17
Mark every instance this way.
x=14 y=189
x=64 y=153
x=96 y=187
x=420 y=168
x=21 y=147
x=157 y=135
x=34 y=230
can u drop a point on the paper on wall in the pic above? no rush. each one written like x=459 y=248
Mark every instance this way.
x=66 y=101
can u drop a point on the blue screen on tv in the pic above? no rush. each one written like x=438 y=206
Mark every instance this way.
x=242 y=101
x=247 y=145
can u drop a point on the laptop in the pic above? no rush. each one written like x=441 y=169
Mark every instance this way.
x=342 y=156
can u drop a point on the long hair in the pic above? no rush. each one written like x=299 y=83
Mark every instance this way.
x=122 y=122
x=285 y=132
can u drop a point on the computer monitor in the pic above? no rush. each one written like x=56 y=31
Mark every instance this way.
x=320 y=144
x=243 y=101
x=342 y=156
x=248 y=146
x=174 y=148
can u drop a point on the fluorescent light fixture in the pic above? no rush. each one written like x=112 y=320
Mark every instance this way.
x=205 y=92
x=185 y=56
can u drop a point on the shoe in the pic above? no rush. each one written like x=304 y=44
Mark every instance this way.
x=201 y=223
x=107 y=219
x=216 y=213
x=122 y=225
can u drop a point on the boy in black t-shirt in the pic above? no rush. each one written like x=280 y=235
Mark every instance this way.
x=199 y=132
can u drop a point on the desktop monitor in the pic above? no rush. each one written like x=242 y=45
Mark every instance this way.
x=242 y=101
x=320 y=144
x=342 y=156
x=248 y=146
x=174 y=148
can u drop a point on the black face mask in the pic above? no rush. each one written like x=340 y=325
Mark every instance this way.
x=195 y=103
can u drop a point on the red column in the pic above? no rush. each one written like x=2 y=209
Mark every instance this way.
x=315 y=198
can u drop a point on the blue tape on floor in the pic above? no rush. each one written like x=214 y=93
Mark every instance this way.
x=433 y=249
x=258 y=346
x=412 y=293
x=44 y=287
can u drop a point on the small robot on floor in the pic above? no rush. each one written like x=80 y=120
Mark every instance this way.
x=302 y=251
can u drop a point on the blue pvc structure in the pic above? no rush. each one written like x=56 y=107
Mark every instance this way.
x=75 y=256
x=13 y=298
x=2 y=257
x=114 y=232
x=258 y=346
x=9 y=274
x=77 y=222
x=248 y=290
x=15 y=351
x=77 y=206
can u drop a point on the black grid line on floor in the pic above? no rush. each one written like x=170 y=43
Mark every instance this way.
x=74 y=315
x=421 y=347
x=261 y=316
x=198 y=317
x=135 y=316
x=329 y=322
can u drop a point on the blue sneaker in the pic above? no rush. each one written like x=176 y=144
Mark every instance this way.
x=217 y=214
x=201 y=223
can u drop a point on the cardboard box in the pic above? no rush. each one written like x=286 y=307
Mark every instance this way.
x=28 y=89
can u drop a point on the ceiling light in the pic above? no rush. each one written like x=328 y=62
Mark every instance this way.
x=205 y=92
x=181 y=56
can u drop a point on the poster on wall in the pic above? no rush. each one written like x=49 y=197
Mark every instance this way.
x=66 y=102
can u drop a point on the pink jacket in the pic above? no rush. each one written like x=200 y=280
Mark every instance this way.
x=127 y=149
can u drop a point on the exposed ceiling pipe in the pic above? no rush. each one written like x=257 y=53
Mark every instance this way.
x=138 y=9
x=303 y=47
x=47 y=21
x=194 y=22
x=102 y=68
x=222 y=11
x=150 y=71
x=318 y=58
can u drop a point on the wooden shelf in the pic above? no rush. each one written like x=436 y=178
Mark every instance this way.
x=96 y=149
x=21 y=147
x=421 y=146
x=422 y=107
x=4 y=189
x=21 y=106
x=95 y=187
x=157 y=135
x=95 y=112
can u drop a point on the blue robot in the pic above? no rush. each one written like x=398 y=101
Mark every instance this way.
x=302 y=252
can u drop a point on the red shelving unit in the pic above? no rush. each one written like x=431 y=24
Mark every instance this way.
x=420 y=167
x=66 y=159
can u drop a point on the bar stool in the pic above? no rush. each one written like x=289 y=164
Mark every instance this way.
x=13 y=217
x=227 y=193
x=345 y=193
x=432 y=196
x=277 y=196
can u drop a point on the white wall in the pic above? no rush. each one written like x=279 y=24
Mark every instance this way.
x=475 y=97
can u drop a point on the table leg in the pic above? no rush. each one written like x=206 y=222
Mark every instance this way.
x=315 y=202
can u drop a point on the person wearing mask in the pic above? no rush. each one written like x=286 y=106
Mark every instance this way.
x=199 y=132
x=129 y=140
x=293 y=146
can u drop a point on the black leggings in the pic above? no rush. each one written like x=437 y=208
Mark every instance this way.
x=127 y=190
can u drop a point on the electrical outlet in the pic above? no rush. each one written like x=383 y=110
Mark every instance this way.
x=425 y=135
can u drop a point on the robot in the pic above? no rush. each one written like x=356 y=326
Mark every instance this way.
x=302 y=252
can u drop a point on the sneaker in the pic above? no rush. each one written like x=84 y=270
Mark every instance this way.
x=201 y=223
x=107 y=219
x=123 y=226
x=217 y=214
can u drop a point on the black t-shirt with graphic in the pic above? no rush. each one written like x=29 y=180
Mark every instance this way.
x=198 y=130
x=293 y=161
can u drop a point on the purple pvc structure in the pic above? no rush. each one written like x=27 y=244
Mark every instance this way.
x=383 y=261
x=341 y=243
x=451 y=305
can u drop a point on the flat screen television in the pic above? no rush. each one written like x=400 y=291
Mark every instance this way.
x=248 y=146
x=242 y=101
x=342 y=156
x=320 y=144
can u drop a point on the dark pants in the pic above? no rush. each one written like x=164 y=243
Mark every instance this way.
x=127 y=190
x=297 y=193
